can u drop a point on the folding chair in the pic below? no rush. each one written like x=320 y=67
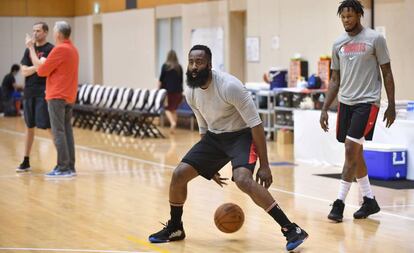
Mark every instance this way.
x=153 y=109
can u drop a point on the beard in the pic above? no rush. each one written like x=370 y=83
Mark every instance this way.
x=352 y=29
x=199 y=80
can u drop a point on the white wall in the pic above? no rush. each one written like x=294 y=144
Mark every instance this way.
x=263 y=22
x=129 y=48
x=396 y=17
x=205 y=15
x=310 y=28
x=305 y=27
x=83 y=40
x=6 y=46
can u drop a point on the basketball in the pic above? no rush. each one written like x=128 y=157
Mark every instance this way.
x=229 y=218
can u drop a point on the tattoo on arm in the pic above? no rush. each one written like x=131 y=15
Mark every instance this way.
x=388 y=82
x=332 y=89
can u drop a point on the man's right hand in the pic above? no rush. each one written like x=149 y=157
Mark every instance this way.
x=324 y=120
x=221 y=181
x=29 y=41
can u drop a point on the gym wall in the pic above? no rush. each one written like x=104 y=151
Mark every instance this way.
x=129 y=50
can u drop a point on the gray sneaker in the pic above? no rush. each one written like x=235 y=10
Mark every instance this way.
x=56 y=173
x=73 y=171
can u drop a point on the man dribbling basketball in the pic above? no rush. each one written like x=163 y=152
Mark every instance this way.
x=231 y=130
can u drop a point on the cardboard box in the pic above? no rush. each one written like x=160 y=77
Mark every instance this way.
x=284 y=136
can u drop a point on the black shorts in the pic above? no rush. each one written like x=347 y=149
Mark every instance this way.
x=356 y=121
x=36 y=113
x=214 y=151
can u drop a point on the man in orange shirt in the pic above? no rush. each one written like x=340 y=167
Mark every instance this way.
x=61 y=70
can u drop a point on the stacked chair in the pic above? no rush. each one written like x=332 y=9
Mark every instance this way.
x=119 y=110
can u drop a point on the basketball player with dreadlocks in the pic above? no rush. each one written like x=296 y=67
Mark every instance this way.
x=357 y=57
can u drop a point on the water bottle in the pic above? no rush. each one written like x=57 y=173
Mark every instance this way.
x=410 y=110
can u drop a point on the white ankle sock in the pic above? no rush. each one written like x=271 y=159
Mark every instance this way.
x=365 y=187
x=343 y=190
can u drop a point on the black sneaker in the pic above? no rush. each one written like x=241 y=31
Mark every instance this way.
x=369 y=206
x=23 y=167
x=337 y=212
x=295 y=236
x=168 y=234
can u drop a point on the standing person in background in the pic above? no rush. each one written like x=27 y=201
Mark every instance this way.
x=61 y=70
x=34 y=103
x=357 y=57
x=8 y=87
x=171 y=79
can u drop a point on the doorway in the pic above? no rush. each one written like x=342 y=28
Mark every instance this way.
x=237 y=44
x=97 y=54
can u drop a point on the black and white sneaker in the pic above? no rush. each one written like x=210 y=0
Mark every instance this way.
x=23 y=167
x=337 y=212
x=169 y=233
x=295 y=236
x=369 y=206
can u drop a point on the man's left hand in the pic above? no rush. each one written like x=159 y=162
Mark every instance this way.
x=389 y=115
x=264 y=176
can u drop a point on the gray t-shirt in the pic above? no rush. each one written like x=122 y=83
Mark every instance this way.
x=358 y=58
x=225 y=106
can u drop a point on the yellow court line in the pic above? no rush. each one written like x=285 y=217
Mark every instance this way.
x=147 y=244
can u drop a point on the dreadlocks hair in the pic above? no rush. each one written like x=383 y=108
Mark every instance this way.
x=352 y=4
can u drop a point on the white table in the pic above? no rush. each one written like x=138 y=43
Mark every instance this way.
x=312 y=144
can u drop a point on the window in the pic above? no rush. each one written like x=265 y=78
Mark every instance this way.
x=169 y=36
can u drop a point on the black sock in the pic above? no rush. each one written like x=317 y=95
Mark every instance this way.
x=279 y=216
x=26 y=160
x=176 y=214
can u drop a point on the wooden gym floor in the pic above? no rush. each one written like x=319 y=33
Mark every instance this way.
x=121 y=194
